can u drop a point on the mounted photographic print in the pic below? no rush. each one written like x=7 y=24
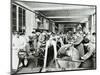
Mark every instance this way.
x=52 y=37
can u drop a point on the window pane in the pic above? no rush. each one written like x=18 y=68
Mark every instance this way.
x=20 y=29
x=13 y=28
x=13 y=11
x=23 y=12
x=20 y=22
x=14 y=17
x=14 y=22
x=14 y=14
x=20 y=19
x=20 y=10
x=23 y=20
x=23 y=17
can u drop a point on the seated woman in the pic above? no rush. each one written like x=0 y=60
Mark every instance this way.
x=31 y=53
x=78 y=43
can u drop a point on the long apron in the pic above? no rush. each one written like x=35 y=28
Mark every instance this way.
x=14 y=53
x=15 y=59
x=19 y=43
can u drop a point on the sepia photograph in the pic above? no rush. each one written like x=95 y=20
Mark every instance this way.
x=52 y=37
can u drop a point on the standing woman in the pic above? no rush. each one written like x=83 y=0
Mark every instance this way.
x=14 y=51
x=18 y=43
x=78 y=44
x=89 y=57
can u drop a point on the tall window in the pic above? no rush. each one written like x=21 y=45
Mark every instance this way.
x=18 y=19
x=21 y=19
x=14 y=18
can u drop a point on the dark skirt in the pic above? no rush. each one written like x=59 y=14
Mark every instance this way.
x=50 y=55
x=89 y=63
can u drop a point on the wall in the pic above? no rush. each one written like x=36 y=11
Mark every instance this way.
x=30 y=22
x=61 y=28
x=46 y=24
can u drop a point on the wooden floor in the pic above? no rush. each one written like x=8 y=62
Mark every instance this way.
x=31 y=68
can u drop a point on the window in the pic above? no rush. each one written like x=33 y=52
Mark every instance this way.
x=14 y=18
x=21 y=19
x=18 y=19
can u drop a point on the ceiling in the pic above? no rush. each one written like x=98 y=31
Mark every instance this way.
x=60 y=12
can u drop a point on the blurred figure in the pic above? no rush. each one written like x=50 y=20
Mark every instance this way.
x=41 y=40
x=89 y=57
x=78 y=43
x=66 y=38
x=22 y=51
x=59 y=41
x=19 y=43
x=31 y=53
x=34 y=39
x=14 y=51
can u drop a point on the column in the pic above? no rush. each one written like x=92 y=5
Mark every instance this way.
x=17 y=18
x=92 y=24
x=53 y=27
x=86 y=27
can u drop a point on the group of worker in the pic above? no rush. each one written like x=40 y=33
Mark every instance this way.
x=72 y=46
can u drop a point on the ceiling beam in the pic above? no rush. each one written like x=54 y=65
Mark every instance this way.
x=61 y=8
x=53 y=17
x=66 y=21
x=84 y=20
x=23 y=5
x=71 y=20
x=81 y=12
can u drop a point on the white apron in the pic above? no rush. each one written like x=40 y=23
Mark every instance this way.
x=17 y=44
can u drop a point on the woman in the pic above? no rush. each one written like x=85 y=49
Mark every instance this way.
x=89 y=57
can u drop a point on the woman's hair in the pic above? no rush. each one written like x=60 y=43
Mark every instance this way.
x=85 y=40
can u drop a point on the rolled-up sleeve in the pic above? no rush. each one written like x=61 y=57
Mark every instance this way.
x=91 y=49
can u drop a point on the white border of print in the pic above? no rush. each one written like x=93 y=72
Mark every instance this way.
x=5 y=37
